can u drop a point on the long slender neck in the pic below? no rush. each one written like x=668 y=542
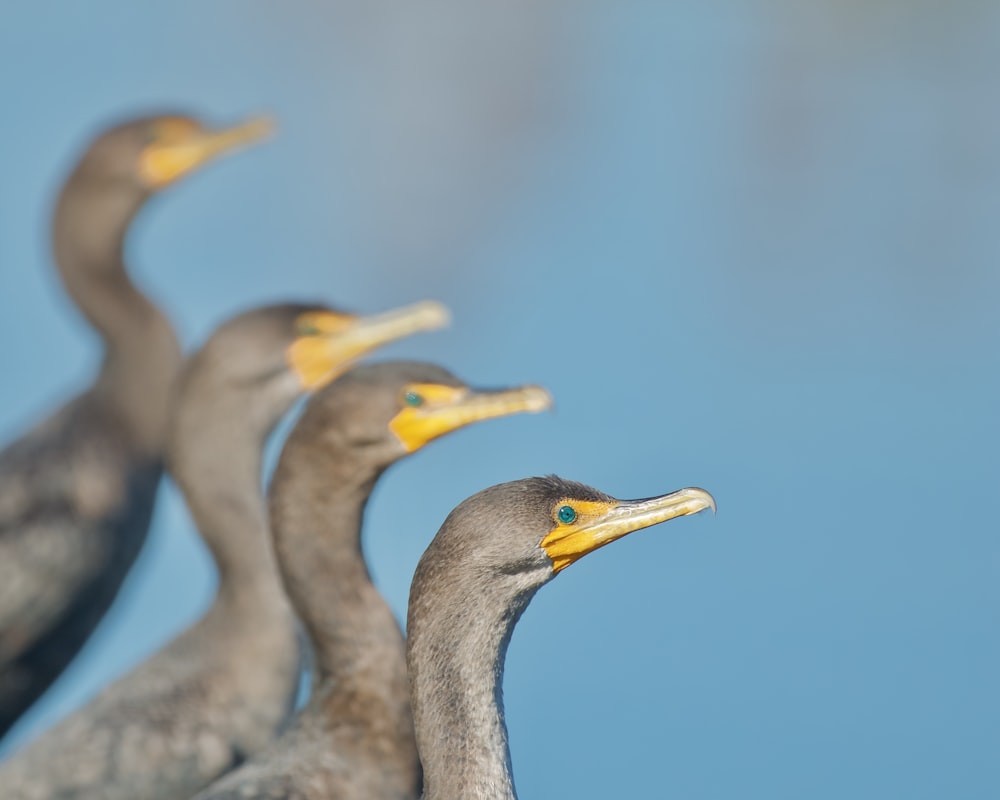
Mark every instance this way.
x=142 y=356
x=215 y=456
x=455 y=655
x=317 y=505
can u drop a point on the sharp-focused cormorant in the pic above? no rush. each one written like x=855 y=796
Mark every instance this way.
x=218 y=692
x=76 y=493
x=493 y=552
x=354 y=740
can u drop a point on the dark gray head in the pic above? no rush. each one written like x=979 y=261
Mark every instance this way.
x=246 y=365
x=256 y=365
x=148 y=153
x=518 y=535
x=121 y=169
x=382 y=412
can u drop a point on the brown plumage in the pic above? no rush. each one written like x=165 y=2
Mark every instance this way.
x=77 y=491
x=219 y=691
x=354 y=740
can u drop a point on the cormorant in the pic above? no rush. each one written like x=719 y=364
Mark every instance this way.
x=77 y=491
x=354 y=739
x=491 y=555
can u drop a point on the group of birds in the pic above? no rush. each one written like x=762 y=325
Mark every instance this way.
x=211 y=714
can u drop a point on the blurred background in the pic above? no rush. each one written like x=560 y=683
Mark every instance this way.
x=750 y=246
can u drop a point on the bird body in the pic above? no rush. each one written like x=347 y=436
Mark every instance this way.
x=493 y=552
x=221 y=690
x=354 y=740
x=313 y=762
x=77 y=492
x=75 y=501
x=174 y=723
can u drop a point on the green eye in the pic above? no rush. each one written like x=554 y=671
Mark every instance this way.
x=413 y=399
x=308 y=329
x=566 y=514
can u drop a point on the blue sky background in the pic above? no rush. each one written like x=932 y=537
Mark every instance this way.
x=751 y=247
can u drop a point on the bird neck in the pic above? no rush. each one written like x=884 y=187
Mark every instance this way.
x=142 y=356
x=317 y=509
x=455 y=655
x=215 y=457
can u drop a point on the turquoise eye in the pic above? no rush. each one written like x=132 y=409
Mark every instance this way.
x=413 y=399
x=566 y=514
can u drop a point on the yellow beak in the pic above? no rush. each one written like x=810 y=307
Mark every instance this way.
x=319 y=358
x=570 y=542
x=450 y=408
x=162 y=163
